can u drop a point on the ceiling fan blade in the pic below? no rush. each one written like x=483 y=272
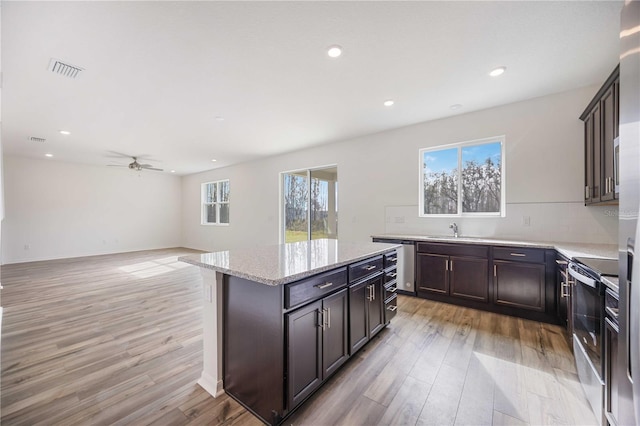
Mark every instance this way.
x=152 y=168
x=116 y=165
x=146 y=166
x=116 y=154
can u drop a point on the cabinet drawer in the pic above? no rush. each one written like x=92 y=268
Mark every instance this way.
x=390 y=289
x=390 y=308
x=470 y=250
x=315 y=287
x=390 y=259
x=518 y=254
x=364 y=268
x=390 y=275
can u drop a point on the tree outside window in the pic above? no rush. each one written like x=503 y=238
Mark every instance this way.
x=465 y=179
x=215 y=203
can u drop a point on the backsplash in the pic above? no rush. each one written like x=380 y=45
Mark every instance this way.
x=565 y=222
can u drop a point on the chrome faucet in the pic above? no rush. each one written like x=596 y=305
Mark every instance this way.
x=454 y=226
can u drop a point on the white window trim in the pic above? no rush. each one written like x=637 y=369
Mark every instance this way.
x=203 y=215
x=459 y=146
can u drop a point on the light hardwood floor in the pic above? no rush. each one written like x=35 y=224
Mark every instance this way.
x=117 y=339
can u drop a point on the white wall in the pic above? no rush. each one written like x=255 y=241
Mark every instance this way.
x=61 y=210
x=378 y=180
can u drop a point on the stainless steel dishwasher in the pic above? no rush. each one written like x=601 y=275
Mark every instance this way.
x=406 y=264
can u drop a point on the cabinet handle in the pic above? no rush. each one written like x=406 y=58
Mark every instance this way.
x=564 y=287
x=373 y=292
x=446 y=265
x=608 y=185
x=369 y=267
x=328 y=317
x=392 y=289
x=587 y=192
x=451 y=266
x=325 y=285
x=392 y=259
x=561 y=262
x=519 y=254
x=321 y=318
x=392 y=308
x=495 y=270
x=392 y=274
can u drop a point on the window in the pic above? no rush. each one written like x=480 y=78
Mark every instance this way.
x=310 y=204
x=215 y=203
x=464 y=179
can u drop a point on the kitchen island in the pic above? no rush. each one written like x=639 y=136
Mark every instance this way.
x=279 y=320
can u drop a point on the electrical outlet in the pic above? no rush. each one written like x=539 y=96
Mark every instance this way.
x=526 y=220
x=27 y=246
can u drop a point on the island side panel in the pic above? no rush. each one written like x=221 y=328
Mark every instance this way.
x=254 y=346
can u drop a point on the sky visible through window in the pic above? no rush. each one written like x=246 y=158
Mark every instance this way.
x=446 y=160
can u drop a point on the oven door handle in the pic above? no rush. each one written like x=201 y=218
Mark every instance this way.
x=582 y=278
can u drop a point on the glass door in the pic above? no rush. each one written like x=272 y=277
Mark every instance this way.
x=310 y=204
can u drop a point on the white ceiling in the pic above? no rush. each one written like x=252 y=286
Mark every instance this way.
x=157 y=74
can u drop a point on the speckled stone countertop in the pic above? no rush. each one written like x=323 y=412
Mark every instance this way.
x=570 y=250
x=284 y=263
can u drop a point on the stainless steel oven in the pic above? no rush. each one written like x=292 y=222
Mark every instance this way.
x=587 y=299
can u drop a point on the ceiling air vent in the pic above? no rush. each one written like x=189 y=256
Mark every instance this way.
x=64 y=69
x=35 y=139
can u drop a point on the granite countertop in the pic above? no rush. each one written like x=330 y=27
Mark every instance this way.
x=284 y=263
x=568 y=249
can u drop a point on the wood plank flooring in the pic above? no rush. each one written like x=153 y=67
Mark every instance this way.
x=117 y=339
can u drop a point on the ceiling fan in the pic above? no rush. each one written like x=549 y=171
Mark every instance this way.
x=133 y=165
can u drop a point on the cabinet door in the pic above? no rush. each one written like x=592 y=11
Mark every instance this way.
x=335 y=346
x=432 y=271
x=376 y=306
x=358 y=335
x=608 y=114
x=519 y=285
x=469 y=278
x=304 y=353
x=561 y=295
x=592 y=156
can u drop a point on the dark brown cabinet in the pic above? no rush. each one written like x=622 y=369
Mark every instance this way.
x=282 y=342
x=317 y=344
x=601 y=125
x=519 y=278
x=453 y=270
x=519 y=285
x=563 y=292
x=518 y=281
x=366 y=315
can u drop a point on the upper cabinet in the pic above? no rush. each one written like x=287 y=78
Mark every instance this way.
x=600 y=133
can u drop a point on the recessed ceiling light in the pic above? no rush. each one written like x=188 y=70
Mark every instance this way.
x=65 y=132
x=173 y=171
x=48 y=155
x=334 y=51
x=498 y=71
x=388 y=102
x=455 y=106
x=213 y=160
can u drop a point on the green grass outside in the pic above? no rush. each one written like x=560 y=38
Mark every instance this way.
x=295 y=236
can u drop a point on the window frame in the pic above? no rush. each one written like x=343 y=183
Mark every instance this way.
x=217 y=204
x=460 y=146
